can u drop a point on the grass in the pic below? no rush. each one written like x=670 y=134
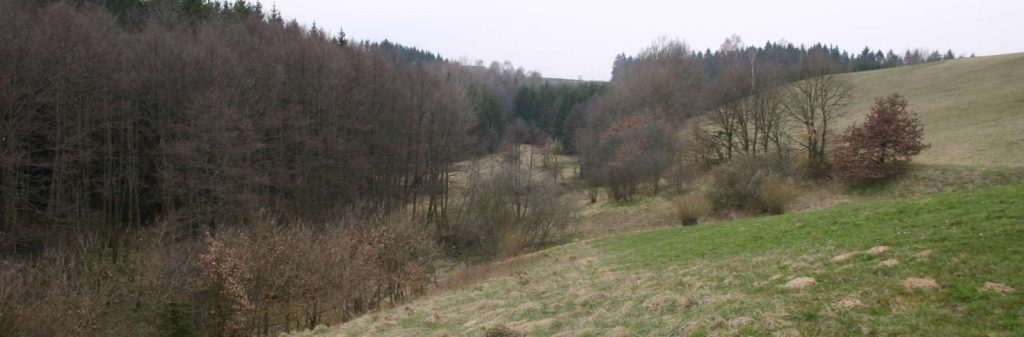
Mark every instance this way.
x=972 y=108
x=923 y=179
x=726 y=279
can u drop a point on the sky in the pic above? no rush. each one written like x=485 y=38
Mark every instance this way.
x=579 y=38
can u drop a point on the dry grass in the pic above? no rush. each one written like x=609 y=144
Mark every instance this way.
x=729 y=279
x=972 y=109
x=465 y=276
x=692 y=207
x=778 y=193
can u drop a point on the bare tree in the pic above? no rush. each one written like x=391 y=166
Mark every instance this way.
x=814 y=104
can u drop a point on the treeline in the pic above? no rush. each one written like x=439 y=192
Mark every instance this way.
x=518 y=107
x=194 y=168
x=756 y=118
x=552 y=111
x=208 y=122
x=787 y=57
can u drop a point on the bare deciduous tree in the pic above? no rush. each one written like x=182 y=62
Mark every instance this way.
x=814 y=104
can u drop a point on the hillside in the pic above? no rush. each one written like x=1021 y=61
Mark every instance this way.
x=972 y=108
x=742 y=278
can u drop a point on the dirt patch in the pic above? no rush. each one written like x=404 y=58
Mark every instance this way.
x=890 y=263
x=878 y=250
x=849 y=303
x=799 y=283
x=924 y=254
x=913 y=283
x=844 y=257
x=998 y=288
x=794 y=265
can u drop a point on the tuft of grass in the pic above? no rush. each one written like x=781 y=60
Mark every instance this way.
x=692 y=207
x=777 y=193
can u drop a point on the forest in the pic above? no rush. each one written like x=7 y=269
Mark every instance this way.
x=198 y=168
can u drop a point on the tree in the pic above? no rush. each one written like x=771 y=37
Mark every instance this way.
x=882 y=146
x=815 y=103
x=949 y=55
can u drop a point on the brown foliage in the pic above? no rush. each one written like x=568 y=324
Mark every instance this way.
x=212 y=121
x=507 y=209
x=253 y=281
x=882 y=145
x=632 y=152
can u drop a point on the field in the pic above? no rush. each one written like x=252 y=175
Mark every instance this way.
x=731 y=278
x=972 y=108
x=933 y=252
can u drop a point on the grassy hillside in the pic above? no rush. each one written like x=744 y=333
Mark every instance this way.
x=973 y=108
x=731 y=278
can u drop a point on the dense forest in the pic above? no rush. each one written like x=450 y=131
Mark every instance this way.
x=197 y=168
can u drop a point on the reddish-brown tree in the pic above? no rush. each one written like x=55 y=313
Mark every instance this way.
x=882 y=146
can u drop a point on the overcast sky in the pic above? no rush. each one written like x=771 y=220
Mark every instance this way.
x=580 y=38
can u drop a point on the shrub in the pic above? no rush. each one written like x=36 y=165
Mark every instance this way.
x=776 y=193
x=631 y=153
x=882 y=146
x=692 y=207
x=736 y=184
x=508 y=209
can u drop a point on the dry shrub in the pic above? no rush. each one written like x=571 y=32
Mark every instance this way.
x=736 y=184
x=692 y=207
x=776 y=194
x=272 y=275
x=62 y=292
x=511 y=242
x=403 y=255
x=507 y=210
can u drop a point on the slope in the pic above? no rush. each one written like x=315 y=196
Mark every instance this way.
x=731 y=278
x=972 y=108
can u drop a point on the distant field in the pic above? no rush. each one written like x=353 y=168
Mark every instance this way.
x=972 y=108
x=731 y=278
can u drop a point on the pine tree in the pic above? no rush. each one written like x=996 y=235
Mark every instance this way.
x=341 y=40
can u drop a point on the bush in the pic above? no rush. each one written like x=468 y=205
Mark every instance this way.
x=692 y=207
x=633 y=152
x=882 y=146
x=776 y=194
x=507 y=210
x=736 y=184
